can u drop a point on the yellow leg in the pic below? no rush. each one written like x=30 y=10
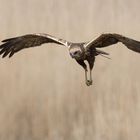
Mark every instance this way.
x=88 y=82
x=90 y=77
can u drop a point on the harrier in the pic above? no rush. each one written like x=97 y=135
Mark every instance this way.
x=79 y=51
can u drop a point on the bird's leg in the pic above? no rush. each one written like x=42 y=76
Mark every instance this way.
x=81 y=62
x=88 y=81
x=86 y=78
x=91 y=64
x=90 y=74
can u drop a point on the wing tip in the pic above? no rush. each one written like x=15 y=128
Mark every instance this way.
x=7 y=40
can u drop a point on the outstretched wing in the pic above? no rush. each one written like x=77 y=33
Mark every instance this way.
x=13 y=45
x=109 y=39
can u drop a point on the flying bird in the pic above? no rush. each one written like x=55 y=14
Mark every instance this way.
x=79 y=51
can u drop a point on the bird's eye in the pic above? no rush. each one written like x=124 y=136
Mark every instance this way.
x=75 y=52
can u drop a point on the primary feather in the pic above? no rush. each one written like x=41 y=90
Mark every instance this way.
x=13 y=45
x=106 y=40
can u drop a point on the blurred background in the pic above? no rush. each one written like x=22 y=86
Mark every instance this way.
x=43 y=95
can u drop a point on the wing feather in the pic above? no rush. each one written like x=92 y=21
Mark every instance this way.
x=106 y=40
x=12 y=45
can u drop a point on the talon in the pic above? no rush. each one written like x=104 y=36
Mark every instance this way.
x=88 y=82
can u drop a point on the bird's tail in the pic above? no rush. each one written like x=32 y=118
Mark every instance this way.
x=102 y=53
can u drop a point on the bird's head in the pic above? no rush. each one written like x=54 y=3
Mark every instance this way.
x=76 y=52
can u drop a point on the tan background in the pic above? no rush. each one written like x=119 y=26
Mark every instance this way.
x=42 y=91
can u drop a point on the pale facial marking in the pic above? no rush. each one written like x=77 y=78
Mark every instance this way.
x=72 y=50
x=75 y=52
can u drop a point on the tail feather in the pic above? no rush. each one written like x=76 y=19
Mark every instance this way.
x=102 y=53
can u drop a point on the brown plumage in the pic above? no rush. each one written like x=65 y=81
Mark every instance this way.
x=79 y=51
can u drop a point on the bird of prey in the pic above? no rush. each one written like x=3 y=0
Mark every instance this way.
x=79 y=51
